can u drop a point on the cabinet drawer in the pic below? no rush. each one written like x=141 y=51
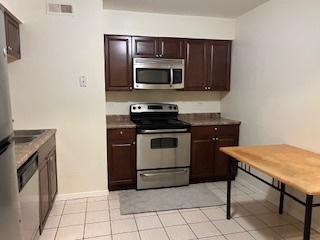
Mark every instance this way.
x=120 y=135
x=225 y=130
x=201 y=132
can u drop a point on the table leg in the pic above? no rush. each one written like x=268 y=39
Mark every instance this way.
x=229 y=188
x=282 y=190
x=308 y=217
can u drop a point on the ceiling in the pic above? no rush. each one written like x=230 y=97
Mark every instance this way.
x=211 y=8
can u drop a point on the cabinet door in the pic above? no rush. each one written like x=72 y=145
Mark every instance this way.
x=118 y=63
x=13 y=37
x=171 y=48
x=202 y=154
x=196 y=65
x=53 y=175
x=144 y=47
x=44 y=189
x=221 y=159
x=219 y=65
x=202 y=160
x=121 y=159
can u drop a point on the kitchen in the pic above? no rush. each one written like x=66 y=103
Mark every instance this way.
x=57 y=50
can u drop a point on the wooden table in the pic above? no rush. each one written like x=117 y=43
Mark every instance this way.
x=292 y=166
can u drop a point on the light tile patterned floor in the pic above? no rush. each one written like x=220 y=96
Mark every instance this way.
x=99 y=218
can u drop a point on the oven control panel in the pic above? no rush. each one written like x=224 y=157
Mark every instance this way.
x=153 y=107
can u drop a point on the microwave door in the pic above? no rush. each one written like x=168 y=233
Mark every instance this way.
x=153 y=78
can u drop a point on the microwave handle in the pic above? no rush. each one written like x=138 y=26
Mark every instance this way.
x=171 y=77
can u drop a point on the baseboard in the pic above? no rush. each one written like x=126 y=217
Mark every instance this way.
x=68 y=196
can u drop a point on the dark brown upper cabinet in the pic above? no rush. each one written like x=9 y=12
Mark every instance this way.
x=171 y=47
x=196 y=76
x=151 y=47
x=118 y=63
x=12 y=37
x=219 y=61
x=144 y=47
x=207 y=62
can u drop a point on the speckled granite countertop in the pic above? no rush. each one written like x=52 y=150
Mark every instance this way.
x=206 y=119
x=26 y=150
x=119 y=121
x=195 y=119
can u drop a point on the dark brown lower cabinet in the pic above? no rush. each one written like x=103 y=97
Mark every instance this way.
x=121 y=159
x=44 y=193
x=208 y=163
x=48 y=186
x=53 y=175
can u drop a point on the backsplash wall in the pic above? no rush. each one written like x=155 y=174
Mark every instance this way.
x=188 y=102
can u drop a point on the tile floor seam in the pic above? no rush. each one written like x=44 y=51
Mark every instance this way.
x=109 y=210
x=163 y=226
x=135 y=220
x=85 y=218
x=189 y=226
x=227 y=233
x=64 y=205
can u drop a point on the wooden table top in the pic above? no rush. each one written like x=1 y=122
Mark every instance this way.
x=297 y=168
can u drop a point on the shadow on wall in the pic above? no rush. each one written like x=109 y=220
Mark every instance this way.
x=162 y=96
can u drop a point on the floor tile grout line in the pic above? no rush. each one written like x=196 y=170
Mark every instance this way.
x=85 y=217
x=165 y=230
x=190 y=226
x=109 y=210
x=135 y=220
x=64 y=205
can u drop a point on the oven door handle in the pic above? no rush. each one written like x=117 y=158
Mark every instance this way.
x=162 y=173
x=171 y=77
x=165 y=131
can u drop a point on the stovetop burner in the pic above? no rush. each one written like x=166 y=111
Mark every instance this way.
x=150 y=116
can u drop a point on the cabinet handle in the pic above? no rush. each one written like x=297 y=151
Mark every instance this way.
x=157 y=55
x=134 y=143
x=216 y=129
x=209 y=88
x=213 y=139
x=121 y=133
x=217 y=139
x=130 y=88
x=9 y=48
x=205 y=88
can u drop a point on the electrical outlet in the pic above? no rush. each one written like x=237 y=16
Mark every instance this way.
x=83 y=80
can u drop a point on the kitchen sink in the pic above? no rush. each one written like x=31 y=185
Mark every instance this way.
x=25 y=133
x=24 y=139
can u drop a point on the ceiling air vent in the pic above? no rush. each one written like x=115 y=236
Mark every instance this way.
x=60 y=8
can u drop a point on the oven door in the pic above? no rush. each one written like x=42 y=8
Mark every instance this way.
x=158 y=73
x=163 y=150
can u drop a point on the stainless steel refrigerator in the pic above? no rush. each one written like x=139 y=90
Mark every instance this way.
x=10 y=226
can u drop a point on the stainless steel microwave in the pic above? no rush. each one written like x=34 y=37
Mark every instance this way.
x=155 y=73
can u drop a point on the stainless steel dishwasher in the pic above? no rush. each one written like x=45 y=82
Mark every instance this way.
x=29 y=198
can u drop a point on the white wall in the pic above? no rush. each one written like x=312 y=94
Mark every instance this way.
x=14 y=6
x=45 y=90
x=276 y=76
x=165 y=25
x=56 y=50
x=149 y=24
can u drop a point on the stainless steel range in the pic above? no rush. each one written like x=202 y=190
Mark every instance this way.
x=163 y=146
